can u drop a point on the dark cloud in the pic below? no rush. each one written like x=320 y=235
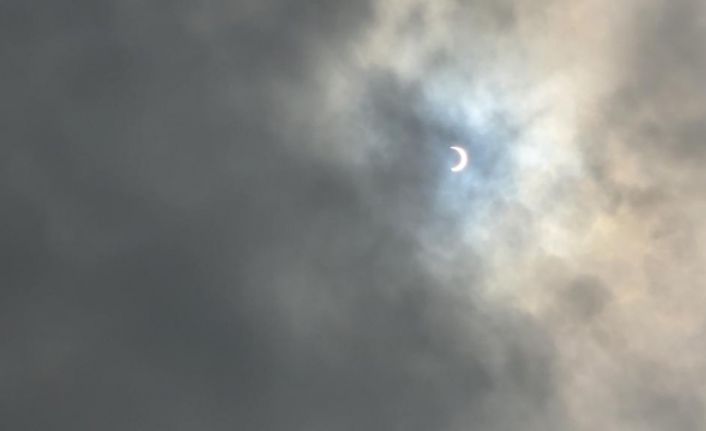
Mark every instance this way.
x=171 y=262
x=236 y=215
x=584 y=298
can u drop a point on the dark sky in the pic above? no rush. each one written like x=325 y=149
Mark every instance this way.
x=239 y=215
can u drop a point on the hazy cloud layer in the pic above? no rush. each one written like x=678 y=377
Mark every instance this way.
x=238 y=215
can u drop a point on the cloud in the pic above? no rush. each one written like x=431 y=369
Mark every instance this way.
x=239 y=215
x=181 y=255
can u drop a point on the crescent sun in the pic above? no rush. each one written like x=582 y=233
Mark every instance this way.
x=462 y=161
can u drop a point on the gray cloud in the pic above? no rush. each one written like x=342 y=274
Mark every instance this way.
x=237 y=215
x=172 y=261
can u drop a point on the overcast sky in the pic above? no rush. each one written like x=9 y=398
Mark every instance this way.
x=240 y=215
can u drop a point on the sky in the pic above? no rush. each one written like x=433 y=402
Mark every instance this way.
x=240 y=215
